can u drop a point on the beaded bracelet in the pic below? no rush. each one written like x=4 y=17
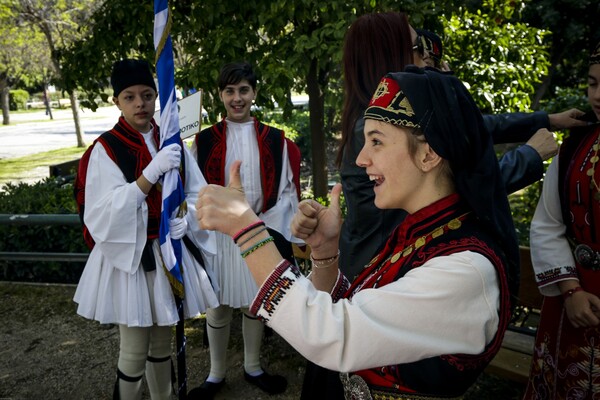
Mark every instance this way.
x=258 y=245
x=246 y=230
x=321 y=263
x=570 y=292
x=264 y=228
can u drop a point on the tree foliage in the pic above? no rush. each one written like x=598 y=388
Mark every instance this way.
x=500 y=58
x=61 y=22
x=296 y=48
x=23 y=57
x=574 y=31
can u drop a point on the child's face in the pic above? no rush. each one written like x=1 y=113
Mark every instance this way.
x=137 y=105
x=237 y=100
x=388 y=161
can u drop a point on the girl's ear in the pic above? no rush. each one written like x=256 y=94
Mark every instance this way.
x=428 y=159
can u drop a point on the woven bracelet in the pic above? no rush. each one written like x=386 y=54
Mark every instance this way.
x=247 y=229
x=258 y=245
x=321 y=263
x=264 y=228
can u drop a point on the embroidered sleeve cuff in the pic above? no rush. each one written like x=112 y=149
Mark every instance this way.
x=341 y=286
x=270 y=294
x=547 y=280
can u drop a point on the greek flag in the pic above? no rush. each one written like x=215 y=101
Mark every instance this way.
x=172 y=187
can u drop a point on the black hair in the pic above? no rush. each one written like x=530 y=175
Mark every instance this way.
x=234 y=73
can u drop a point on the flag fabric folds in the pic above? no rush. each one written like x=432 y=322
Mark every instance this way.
x=172 y=188
x=173 y=196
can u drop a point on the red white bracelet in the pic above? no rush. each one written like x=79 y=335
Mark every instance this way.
x=247 y=229
x=570 y=292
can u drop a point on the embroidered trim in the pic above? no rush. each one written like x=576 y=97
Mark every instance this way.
x=340 y=288
x=378 y=270
x=556 y=274
x=274 y=289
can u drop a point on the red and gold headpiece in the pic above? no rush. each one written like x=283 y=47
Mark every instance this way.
x=389 y=104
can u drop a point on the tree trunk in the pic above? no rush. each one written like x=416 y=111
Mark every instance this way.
x=76 y=119
x=316 y=107
x=4 y=93
x=543 y=88
x=47 y=102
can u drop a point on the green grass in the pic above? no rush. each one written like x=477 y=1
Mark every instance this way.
x=13 y=169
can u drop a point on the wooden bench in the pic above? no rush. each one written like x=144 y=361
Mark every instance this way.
x=64 y=169
x=514 y=358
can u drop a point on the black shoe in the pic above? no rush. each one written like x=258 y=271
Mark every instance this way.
x=206 y=391
x=271 y=384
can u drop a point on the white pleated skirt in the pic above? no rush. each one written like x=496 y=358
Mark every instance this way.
x=110 y=295
x=237 y=286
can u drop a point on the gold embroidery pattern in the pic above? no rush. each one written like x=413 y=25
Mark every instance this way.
x=405 y=107
x=454 y=224
x=382 y=90
x=591 y=172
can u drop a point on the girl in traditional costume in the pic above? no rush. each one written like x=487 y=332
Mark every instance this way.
x=429 y=312
x=565 y=250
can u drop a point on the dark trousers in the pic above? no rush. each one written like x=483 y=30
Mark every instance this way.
x=321 y=383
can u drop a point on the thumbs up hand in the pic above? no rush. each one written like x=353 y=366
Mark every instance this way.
x=225 y=209
x=319 y=226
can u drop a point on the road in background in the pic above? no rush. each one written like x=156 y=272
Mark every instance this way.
x=35 y=132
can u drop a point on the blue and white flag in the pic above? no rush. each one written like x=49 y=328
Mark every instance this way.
x=173 y=196
x=172 y=188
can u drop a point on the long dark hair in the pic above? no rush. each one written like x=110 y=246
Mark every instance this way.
x=375 y=44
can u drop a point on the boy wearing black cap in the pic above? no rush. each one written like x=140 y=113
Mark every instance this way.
x=124 y=281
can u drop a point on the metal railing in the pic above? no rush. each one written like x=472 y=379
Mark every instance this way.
x=41 y=219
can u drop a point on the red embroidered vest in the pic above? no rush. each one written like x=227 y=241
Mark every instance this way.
x=211 y=144
x=443 y=228
x=580 y=197
x=127 y=148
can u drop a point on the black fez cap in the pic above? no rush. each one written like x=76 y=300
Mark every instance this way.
x=440 y=106
x=129 y=72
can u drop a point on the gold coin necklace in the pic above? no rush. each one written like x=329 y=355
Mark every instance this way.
x=592 y=171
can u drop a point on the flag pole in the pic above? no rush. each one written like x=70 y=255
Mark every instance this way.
x=172 y=188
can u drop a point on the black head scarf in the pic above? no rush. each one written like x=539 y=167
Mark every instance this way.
x=440 y=106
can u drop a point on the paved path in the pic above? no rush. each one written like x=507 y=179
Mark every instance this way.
x=34 y=132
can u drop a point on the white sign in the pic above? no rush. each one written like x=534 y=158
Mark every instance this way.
x=190 y=114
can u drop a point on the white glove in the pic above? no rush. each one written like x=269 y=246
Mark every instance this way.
x=165 y=160
x=178 y=227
